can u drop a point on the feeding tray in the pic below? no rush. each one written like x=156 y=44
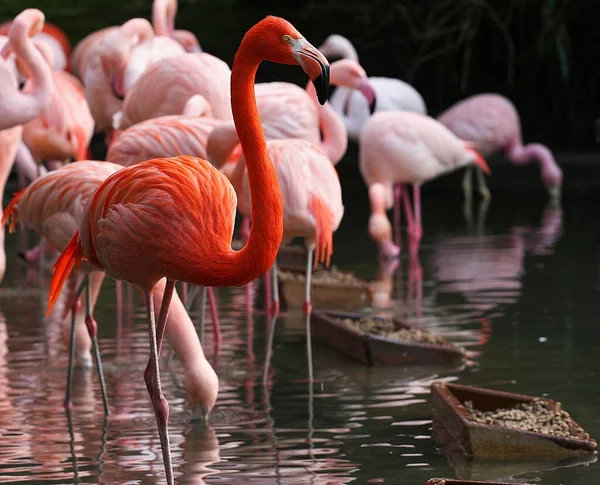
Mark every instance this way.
x=342 y=331
x=292 y=259
x=451 y=481
x=452 y=413
x=330 y=289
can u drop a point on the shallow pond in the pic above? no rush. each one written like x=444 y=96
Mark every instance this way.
x=520 y=292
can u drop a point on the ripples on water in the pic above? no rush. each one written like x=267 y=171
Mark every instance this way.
x=357 y=424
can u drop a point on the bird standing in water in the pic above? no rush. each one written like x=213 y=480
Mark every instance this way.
x=174 y=217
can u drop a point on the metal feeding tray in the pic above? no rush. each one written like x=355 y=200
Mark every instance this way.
x=330 y=295
x=451 y=481
x=377 y=350
x=453 y=421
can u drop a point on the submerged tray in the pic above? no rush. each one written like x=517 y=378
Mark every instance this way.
x=325 y=295
x=292 y=258
x=374 y=349
x=477 y=439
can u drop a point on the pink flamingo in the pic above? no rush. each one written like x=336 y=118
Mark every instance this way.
x=66 y=126
x=490 y=122
x=163 y=20
x=55 y=39
x=53 y=205
x=392 y=94
x=400 y=147
x=287 y=111
x=125 y=222
x=166 y=86
x=312 y=209
x=105 y=65
x=17 y=107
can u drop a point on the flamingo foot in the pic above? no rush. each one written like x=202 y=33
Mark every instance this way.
x=388 y=250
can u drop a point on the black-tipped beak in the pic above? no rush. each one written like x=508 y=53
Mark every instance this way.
x=322 y=84
x=372 y=106
x=368 y=91
x=315 y=65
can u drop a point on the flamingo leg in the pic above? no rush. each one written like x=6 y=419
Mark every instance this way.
x=92 y=327
x=212 y=301
x=418 y=229
x=119 y=295
x=483 y=188
x=308 y=310
x=410 y=221
x=245 y=229
x=397 y=213
x=202 y=314
x=152 y=378
x=273 y=311
x=74 y=308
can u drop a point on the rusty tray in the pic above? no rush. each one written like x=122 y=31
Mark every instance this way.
x=326 y=296
x=476 y=439
x=451 y=481
x=375 y=350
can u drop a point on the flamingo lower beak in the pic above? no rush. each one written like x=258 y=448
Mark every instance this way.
x=368 y=91
x=315 y=65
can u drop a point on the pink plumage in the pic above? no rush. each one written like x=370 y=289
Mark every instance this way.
x=166 y=136
x=490 y=122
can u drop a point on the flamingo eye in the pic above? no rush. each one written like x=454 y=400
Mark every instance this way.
x=287 y=38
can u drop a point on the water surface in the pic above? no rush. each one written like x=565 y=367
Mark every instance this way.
x=519 y=292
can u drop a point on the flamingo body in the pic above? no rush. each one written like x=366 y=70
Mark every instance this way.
x=166 y=86
x=165 y=136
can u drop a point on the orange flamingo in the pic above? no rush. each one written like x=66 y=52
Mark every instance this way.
x=17 y=107
x=164 y=137
x=125 y=222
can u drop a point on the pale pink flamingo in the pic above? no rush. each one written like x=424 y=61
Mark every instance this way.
x=66 y=126
x=168 y=136
x=490 y=122
x=398 y=148
x=16 y=107
x=312 y=209
x=163 y=20
x=105 y=64
x=166 y=86
x=53 y=205
x=392 y=94
x=55 y=39
x=125 y=222
x=288 y=111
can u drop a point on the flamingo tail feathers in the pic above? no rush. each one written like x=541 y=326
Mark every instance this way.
x=324 y=231
x=10 y=211
x=71 y=256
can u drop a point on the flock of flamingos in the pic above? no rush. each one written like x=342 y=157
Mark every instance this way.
x=157 y=212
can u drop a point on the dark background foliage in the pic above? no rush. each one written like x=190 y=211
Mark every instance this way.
x=543 y=54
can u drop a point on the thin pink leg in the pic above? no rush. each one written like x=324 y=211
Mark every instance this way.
x=184 y=292
x=397 y=213
x=273 y=312
x=418 y=230
x=410 y=221
x=119 y=293
x=152 y=378
x=245 y=229
x=308 y=310
x=212 y=301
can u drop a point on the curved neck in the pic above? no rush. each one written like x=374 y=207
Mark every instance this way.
x=347 y=51
x=520 y=154
x=163 y=16
x=25 y=107
x=266 y=234
x=335 y=136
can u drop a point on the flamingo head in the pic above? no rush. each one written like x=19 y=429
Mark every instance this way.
x=275 y=39
x=350 y=74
